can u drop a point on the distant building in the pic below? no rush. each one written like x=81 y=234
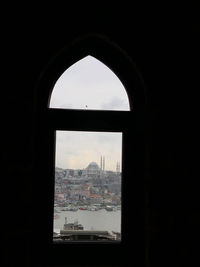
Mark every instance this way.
x=60 y=197
x=92 y=170
x=114 y=188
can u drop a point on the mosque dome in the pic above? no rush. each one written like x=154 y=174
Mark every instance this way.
x=93 y=165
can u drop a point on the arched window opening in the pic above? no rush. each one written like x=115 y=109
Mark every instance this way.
x=89 y=85
x=89 y=110
x=88 y=164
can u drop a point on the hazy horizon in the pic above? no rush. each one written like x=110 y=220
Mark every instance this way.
x=77 y=149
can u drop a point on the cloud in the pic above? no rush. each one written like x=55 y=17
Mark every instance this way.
x=115 y=103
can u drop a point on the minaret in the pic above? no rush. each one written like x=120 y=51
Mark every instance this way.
x=103 y=163
x=118 y=167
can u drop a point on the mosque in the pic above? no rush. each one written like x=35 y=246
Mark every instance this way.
x=94 y=171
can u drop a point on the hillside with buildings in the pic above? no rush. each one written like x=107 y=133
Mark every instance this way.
x=86 y=187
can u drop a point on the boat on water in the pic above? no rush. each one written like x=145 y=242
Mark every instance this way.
x=72 y=209
x=72 y=226
x=109 y=208
x=93 y=208
x=75 y=232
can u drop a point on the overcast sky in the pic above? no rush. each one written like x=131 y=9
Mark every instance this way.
x=88 y=84
x=75 y=150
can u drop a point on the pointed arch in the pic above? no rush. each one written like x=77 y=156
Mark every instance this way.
x=130 y=124
x=102 y=49
x=89 y=84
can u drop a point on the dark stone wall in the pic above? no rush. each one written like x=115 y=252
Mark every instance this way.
x=167 y=55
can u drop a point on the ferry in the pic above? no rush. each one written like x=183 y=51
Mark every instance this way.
x=64 y=209
x=75 y=232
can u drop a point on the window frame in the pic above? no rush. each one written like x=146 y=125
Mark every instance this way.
x=49 y=120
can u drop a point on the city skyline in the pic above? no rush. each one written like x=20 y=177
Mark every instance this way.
x=117 y=167
x=77 y=149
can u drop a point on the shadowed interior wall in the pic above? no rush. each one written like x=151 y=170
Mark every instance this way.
x=167 y=56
